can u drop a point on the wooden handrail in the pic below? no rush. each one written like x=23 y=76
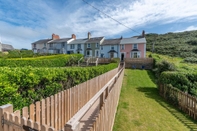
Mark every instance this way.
x=73 y=123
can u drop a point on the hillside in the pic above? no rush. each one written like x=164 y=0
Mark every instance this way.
x=182 y=44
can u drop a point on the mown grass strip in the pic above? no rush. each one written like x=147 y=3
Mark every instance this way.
x=142 y=109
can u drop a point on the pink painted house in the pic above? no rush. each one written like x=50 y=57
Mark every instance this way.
x=134 y=47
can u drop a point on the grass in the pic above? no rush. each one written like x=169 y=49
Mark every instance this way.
x=176 y=60
x=142 y=109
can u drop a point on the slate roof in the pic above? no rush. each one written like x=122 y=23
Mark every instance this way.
x=133 y=40
x=42 y=41
x=111 y=42
x=78 y=41
x=7 y=47
x=94 y=40
x=60 y=40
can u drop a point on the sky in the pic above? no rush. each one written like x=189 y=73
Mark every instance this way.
x=23 y=22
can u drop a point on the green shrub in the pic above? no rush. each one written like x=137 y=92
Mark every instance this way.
x=184 y=81
x=23 y=86
x=163 y=66
x=42 y=61
x=190 y=60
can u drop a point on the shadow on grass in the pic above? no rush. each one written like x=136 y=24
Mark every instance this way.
x=153 y=93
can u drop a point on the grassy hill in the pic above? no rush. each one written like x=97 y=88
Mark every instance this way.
x=182 y=44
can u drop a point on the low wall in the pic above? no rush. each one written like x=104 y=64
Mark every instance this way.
x=139 y=63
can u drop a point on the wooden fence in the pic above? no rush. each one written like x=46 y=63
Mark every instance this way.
x=106 y=116
x=184 y=101
x=52 y=113
x=139 y=63
x=108 y=98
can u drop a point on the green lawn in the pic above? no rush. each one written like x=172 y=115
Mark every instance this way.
x=142 y=109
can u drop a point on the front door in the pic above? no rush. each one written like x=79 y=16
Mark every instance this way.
x=122 y=56
x=111 y=55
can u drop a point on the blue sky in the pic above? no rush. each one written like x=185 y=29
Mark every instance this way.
x=23 y=22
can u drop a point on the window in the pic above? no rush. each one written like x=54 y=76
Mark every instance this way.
x=51 y=45
x=135 y=46
x=89 y=45
x=97 y=53
x=112 y=47
x=79 y=46
x=101 y=47
x=44 y=44
x=102 y=55
x=63 y=45
x=122 y=47
x=34 y=45
x=97 y=45
x=72 y=46
x=135 y=55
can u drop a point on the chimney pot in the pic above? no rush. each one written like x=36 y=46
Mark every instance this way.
x=89 y=35
x=143 y=33
x=55 y=37
x=73 y=36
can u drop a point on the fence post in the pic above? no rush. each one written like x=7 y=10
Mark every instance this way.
x=5 y=108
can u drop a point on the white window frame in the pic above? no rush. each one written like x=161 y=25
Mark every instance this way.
x=63 y=44
x=89 y=45
x=122 y=47
x=96 y=53
x=113 y=47
x=72 y=46
x=134 y=46
x=101 y=47
x=51 y=45
x=97 y=45
x=132 y=54
x=78 y=46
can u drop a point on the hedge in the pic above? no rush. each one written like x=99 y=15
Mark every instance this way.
x=23 y=86
x=43 y=61
x=185 y=81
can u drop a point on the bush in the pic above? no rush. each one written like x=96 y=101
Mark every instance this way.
x=184 y=81
x=23 y=86
x=163 y=66
x=43 y=61
x=190 y=60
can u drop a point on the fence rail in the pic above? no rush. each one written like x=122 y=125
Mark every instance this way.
x=184 y=101
x=106 y=116
x=54 y=112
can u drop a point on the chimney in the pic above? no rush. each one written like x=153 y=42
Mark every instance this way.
x=143 y=33
x=55 y=37
x=89 y=35
x=73 y=36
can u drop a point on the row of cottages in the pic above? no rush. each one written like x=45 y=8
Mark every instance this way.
x=134 y=47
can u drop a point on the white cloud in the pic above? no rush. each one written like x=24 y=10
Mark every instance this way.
x=190 y=28
x=28 y=21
